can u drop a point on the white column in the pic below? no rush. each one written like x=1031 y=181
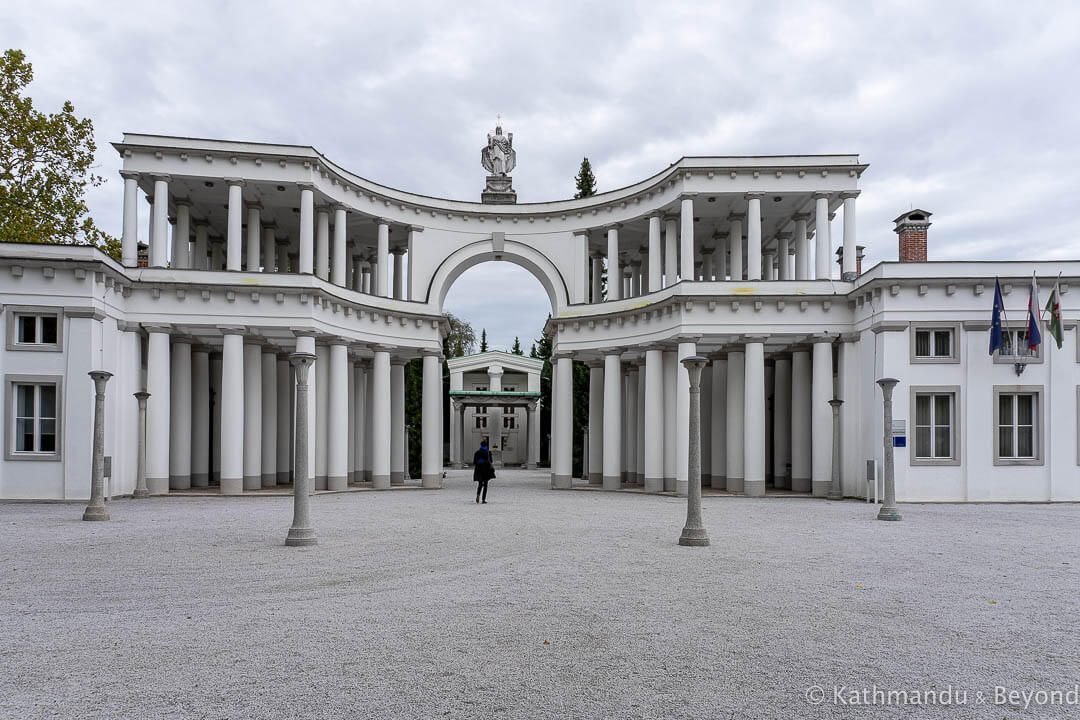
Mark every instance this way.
x=200 y=417
x=306 y=343
x=682 y=419
x=284 y=419
x=129 y=240
x=534 y=436
x=270 y=252
x=754 y=418
x=159 y=233
x=821 y=417
x=630 y=413
x=307 y=229
x=736 y=393
x=781 y=445
x=686 y=239
x=180 y=416
x=431 y=435
x=735 y=268
x=182 y=236
x=321 y=392
x=822 y=243
x=849 y=235
x=217 y=254
x=614 y=272
x=380 y=420
x=397 y=422
x=158 y=381
x=369 y=423
x=613 y=418
x=720 y=267
x=235 y=225
x=767 y=258
x=641 y=439
x=783 y=255
x=282 y=264
x=597 y=263
x=563 y=425
x=252 y=416
x=269 y=422
x=322 y=242
x=800 y=420
x=215 y=392
x=671 y=253
x=718 y=424
x=360 y=415
x=656 y=253
x=802 y=248
x=337 y=443
x=654 y=420
x=382 y=257
x=254 y=238
x=594 y=473
x=232 y=412
x=399 y=272
x=753 y=236
x=200 y=261
x=670 y=391
x=707 y=268
x=338 y=266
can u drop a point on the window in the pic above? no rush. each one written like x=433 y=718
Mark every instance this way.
x=935 y=425
x=1018 y=425
x=1016 y=346
x=509 y=422
x=32 y=409
x=34 y=328
x=935 y=343
x=481 y=422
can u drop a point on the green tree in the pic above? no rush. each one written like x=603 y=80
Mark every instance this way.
x=483 y=340
x=516 y=349
x=461 y=338
x=541 y=350
x=46 y=162
x=585 y=180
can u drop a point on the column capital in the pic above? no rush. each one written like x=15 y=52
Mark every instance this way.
x=850 y=194
x=130 y=174
x=232 y=329
x=753 y=196
x=736 y=217
x=613 y=351
x=430 y=352
x=339 y=206
x=612 y=226
x=687 y=338
x=849 y=337
x=234 y=181
x=322 y=208
x=687 y=196
x=823 y=338
x=821 y=195
x=595 y=364
x=705 y=250
x=754 y=338
x=156 y=327
x=253 y=206
x=398 y=250
x=383 y=221
x=784 y=235
x=305 y=185
x=398 y=360
x=669 y=217
x=561 y=355
x=305 y=332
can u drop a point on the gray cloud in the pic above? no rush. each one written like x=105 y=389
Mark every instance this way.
x=965 y=109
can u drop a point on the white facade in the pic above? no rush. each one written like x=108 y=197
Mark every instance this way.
x=256 y=251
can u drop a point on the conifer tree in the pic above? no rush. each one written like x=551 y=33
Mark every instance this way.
x=483 y=340
x=516 y=349
x=585 y=180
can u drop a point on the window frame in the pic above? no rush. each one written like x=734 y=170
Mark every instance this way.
x=1000 y=359
x=10 y=381
x=1038 y=424
x=956 y=427
x=14 y=312
x=931 y=326
x=480 y=422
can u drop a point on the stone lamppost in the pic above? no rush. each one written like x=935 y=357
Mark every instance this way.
x=836 y=492
x=141 y=491
x=888 y=511
x=95 y=510
x=301 y=532
x=694 y=532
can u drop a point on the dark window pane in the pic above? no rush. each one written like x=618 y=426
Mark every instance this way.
x=922 y=442
x=941 y=409
x=942 y=448
x=1005 y=412
x=1025 y=409
x=943 y=343
x=24 y=435
x=27 y=329
x=1025 y=442
x=922 y=409
x=47 y=430
x=1005 y=442
x=47 y=401
x=48 y=329
x=922 y=343
x=24 y=401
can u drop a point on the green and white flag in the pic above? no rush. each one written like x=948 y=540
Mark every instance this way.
x=1053 y=309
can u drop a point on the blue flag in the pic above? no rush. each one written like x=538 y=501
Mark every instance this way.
x=997 y=337
x=1034 y=338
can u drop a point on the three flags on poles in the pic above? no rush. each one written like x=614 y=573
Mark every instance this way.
x=1034 y=317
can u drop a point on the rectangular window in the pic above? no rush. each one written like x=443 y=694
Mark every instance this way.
x=934 y=343
x=33 y=329
x=1016 y=344
x=481 y=423
x=934 y=426
x=509 y=422
x=1017 y=429
x=34 y=418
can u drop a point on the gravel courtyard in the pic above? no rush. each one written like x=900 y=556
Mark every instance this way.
x=540 y=604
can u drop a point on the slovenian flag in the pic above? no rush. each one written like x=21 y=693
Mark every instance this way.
x=1034 y=336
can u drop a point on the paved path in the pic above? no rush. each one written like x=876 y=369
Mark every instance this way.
x=540 y=604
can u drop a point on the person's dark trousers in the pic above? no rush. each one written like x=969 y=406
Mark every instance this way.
x=481 y=490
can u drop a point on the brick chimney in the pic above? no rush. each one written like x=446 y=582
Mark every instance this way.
x=911 y=229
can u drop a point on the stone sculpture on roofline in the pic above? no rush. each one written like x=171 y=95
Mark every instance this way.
x=499 y=159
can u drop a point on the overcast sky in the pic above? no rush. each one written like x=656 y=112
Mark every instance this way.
x=967 y=110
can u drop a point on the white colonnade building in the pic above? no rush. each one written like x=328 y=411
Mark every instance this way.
x=258 y=250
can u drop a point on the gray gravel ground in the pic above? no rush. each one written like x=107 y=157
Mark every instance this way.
x=540 y=604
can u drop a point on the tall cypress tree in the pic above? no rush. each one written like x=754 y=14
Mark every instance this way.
x=585 y=180
x=516 y=349
x=483 y=340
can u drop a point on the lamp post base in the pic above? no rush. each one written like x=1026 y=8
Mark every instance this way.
x=694 y=537
x=301 y=536
x=888 y=513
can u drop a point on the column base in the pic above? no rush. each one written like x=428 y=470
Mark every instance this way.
x=612 y=482
x=530 y=466
x=200 y=480
x=179 y=482
x=95 y=512
x=781 y=482
x=320 y=482
x=337 y=483
x=283 y=477
x=596 y=478
x=682 y=487
x=232 y=486
x=625 y=477
x=253 y=482
x=754 y=488
x=397 y=477
x=654 y=485
x=736 y=484
x=561 y=482
x=889 y=513
x=820 y=488
x=456 y=466
x=140 y=494
x=834 y=495
x=157 y=486
x=216 y=477
x=367 y=476
x=381 y=482
x=432 y=481
x=800 y=484
x=669 y=484
x=298 y=537
x=269 y=480
x=694 y=537
x=718 y=482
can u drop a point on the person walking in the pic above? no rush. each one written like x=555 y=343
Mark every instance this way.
x=483 y=470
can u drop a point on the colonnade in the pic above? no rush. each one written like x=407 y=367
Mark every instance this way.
x=253 y=244
x=672 y=254
x=638 y=423
x=356 y=411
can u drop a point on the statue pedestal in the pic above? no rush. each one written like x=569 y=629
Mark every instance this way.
x=499 y=191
